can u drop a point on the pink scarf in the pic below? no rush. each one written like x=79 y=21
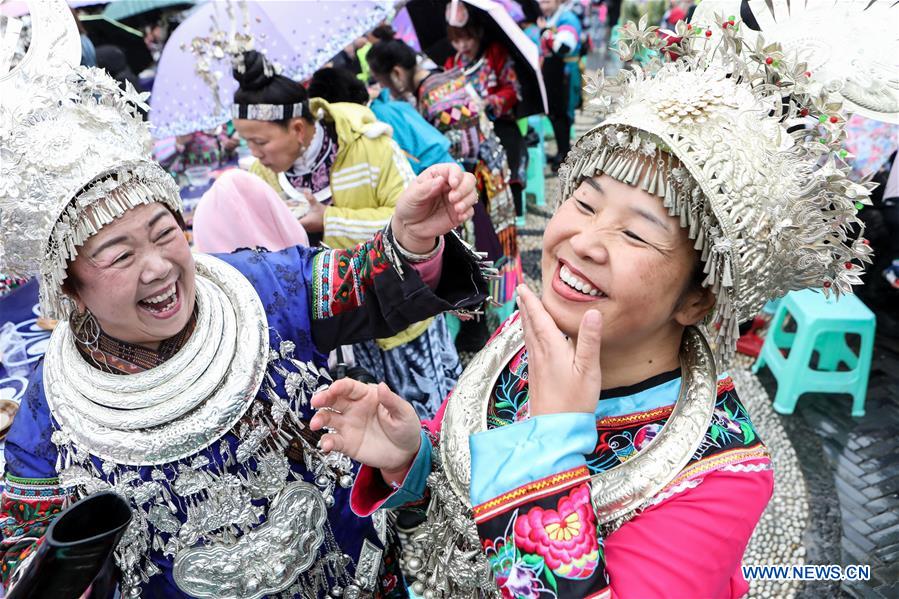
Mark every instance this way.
x=241 y=211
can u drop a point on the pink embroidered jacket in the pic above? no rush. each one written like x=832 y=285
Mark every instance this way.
x=533 y=511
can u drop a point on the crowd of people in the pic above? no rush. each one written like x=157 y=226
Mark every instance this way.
x=263 y=395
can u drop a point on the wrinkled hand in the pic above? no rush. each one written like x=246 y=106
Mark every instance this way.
x=370 y=424
x=437 y=201
x=562 y=376
x=314 y=220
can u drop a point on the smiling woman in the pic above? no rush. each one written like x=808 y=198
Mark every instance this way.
x=182 y=381
x=597 y=447
x=137 y=275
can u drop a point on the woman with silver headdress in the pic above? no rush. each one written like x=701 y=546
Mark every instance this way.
x=178 y=381
x=559 y=468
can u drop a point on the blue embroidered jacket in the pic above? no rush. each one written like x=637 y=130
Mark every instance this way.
x=317 y=299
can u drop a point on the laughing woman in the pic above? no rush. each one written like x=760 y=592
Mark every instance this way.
x=180 y=381
x=596 y=447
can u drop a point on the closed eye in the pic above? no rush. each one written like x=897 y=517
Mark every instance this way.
x=165 y=234
x=585 y=207
x=121 y=259
x=634 y=236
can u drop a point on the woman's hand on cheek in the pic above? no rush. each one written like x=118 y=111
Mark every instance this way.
x=437 y=201
x=562 y=376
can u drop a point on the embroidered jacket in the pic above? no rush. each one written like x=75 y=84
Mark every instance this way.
x=423 y=144
x=314 y=299
x=495 y=79
x=532 y=504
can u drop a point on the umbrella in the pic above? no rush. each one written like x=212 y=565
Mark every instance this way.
x=402 y=25
x=17 y=8
x=300 y=37
x=122 y=10
x=102 y=30
x=872 y=143
x=429 y=19
x=530 y=9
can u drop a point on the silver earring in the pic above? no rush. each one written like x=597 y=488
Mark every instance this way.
x=85 y=328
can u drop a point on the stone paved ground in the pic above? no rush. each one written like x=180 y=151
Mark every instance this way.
x=837 y=477
x=861 y=459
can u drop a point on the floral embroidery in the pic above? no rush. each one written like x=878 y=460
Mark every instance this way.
x=516 y=574
x=341 y=277
x=730 y=429
x=565 y=538
x=547 y=544
x=27 y=508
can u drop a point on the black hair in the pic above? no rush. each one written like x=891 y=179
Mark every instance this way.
x=256 y=87
x=383 y=33
x=385 y=55
x=337 y=85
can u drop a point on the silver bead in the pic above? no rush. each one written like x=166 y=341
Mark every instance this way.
x=337 y=592
x=418 y=587
x=414 y=564
x=321 y=481
x=346 y=481
x=352 y=591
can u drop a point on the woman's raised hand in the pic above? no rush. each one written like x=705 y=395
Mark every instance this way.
x=563 y=376
x=369 y=423
x=437 y=201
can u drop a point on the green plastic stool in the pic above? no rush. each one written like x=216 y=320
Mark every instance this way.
x=821 y=326
x=536 y=183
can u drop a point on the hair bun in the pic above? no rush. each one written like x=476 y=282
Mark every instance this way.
x=257 y=72
x=384 y=33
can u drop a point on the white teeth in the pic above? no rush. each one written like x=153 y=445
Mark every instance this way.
x=161 y=297
x=574 y=282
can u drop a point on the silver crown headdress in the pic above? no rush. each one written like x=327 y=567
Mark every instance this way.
x=734 y=141
x=74 y=155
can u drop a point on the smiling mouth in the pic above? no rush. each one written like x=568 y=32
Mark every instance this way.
x=163 y=303
x=577 y=284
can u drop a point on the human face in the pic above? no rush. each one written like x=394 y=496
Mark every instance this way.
x=467 y=46
x=632 y=261
x=276 y=147
x=548 y=7
x=136 y=276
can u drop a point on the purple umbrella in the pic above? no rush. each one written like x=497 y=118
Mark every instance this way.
x=402 y=25
x=17 y=8
x=300 y=37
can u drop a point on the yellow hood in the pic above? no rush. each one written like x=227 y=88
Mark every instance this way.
x=351 y=121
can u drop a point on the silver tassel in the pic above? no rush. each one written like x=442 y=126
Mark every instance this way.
x=648 y=179
x=634 y=169
x=726 y=279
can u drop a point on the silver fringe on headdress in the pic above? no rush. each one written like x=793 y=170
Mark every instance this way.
x=736 y=145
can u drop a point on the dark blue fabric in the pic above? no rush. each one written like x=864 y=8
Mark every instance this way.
x=281 y=279
x=422 y=371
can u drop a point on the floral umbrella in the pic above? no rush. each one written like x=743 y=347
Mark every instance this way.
x=194 y=88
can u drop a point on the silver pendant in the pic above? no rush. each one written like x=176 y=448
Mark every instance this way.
x=264 y=561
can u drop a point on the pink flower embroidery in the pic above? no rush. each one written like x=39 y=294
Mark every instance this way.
x=565 y=538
